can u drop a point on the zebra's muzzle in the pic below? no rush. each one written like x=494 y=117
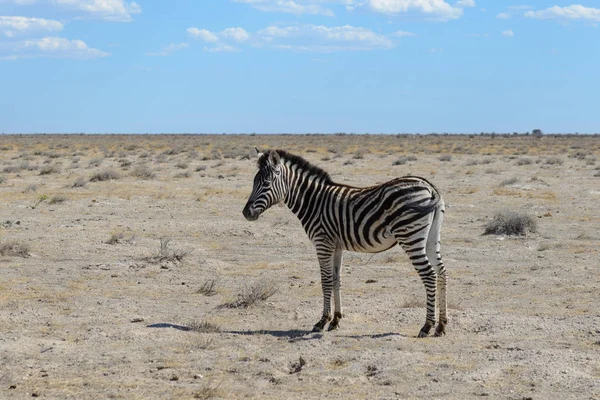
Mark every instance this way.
x=250 y=213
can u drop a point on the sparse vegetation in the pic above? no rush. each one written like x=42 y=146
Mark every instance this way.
x=14 y=248
x=509 y=181
x=256 y=293
x=80 y=182
x=167 y=254
x=208 y=288
x=106 y=175
x=57 y=199
x=204 y=327
x=142 y=171
x=511 y=223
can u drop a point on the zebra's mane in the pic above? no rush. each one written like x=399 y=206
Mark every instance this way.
x=300 y=162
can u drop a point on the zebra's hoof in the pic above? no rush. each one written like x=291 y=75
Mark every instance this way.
x=440 y=330
x=334 y=325
x=422 y=334
x=317 y=328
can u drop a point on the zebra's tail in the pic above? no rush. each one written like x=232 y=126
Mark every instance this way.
x=436 y=202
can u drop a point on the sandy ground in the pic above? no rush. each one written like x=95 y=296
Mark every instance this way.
x=91 y=308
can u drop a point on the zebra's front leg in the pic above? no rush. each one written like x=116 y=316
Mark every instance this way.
x=326 y=265
x=337 y=295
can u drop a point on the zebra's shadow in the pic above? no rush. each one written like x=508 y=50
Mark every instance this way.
x=168 y=325
x=292 y=334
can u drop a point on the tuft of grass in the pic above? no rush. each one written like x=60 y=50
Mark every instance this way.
x=509 y=181
x=209 y=391
x=208 y=288
x=524 y=161
x=106 y=175
x=185 y=174
x=57 y=199
x=120 y=237
x=254 y=294
x=50 y=169
x=510 y=223
x=554 y=161
x=14 y=248
x=79 y=183
x=400 y=161
x=143 y=172
x=167 y=254
x=445 y=158
x=204 y=327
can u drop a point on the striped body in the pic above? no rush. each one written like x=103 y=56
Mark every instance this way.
x=407 y=211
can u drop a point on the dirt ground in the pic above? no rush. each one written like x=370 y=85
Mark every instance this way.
x=125 y=263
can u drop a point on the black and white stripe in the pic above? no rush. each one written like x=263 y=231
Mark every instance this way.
x=407 y=211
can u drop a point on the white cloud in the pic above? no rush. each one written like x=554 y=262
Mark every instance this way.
x=403 y=34
x=222 y=49
x=503 y=15
x=112 y=10
x=202 y=34
x=306 y=38
x=275 y=31
x=290 y=6
x=508 y=33
x=12 y=26
x=570 y=13
x=520 y=7
x=320 y=38
x=437 y=9
x=237 y=34
x=50 y=46
x=465 y=3
x=167 y=50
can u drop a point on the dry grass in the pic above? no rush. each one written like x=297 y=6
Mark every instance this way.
x=208 y=288
x=253 y=295
x=509 y=222
x=14 y=248
x=167 y=254
x=204 y=327
x=105 y=175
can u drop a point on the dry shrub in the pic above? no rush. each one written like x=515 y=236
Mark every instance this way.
x=106 y=175
x=143 y=172
x=14 y=248
x=208 y=288
x=79 y=183
x=167 y=254
x=510 y=223
x=509 y=181
x=50 y=169
x=254 y=294
x=204 y=327
x=57 y=199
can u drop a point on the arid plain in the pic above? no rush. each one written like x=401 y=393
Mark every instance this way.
x=127 y=271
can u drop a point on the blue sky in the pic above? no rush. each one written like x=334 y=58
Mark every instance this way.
x=271 y=66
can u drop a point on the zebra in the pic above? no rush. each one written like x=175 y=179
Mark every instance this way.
x=407 y=211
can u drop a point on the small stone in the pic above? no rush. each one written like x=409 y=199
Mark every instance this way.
x=137 y=319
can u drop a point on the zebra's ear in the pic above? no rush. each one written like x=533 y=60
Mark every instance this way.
x=258 y=152
x=274 y=158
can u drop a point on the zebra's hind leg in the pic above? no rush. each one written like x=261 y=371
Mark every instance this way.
x=337 y=285
x=433 y=253
x=413 y=244
x=326 y=263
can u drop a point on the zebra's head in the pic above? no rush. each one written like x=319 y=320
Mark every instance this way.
x=269 y=188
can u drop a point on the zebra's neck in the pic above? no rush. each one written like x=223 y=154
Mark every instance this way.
x=306 y=189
